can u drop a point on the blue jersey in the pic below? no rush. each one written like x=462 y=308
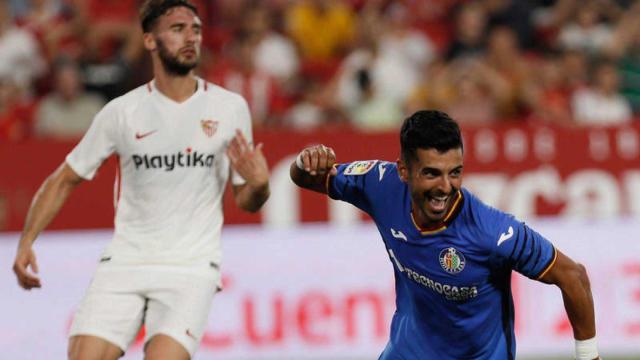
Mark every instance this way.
x=453 y=282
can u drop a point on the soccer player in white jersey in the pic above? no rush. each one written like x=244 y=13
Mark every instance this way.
x=176 y=139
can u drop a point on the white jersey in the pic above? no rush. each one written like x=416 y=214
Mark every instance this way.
x=173 y=170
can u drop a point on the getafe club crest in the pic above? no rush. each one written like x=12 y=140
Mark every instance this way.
x=209 y=127
x=451 y=260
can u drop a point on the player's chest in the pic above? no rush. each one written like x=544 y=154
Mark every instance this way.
x=158 y=130
x=446 y=258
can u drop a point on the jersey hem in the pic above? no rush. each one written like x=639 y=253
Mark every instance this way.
x=74 y=167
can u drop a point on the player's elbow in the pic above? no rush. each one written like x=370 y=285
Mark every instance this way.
x=65 y=176
x=576 y=276
x=582 y=277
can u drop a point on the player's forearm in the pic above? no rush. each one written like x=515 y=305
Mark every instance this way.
x=578 y=303
x=45 y=205
x=251 y=197
x=307 y=181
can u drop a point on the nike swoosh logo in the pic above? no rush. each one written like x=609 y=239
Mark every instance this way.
x=381 y=170
x=398 y=234
x=140 y=136
x=505 y=236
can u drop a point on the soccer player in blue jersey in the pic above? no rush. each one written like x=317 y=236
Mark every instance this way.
x=452 y=254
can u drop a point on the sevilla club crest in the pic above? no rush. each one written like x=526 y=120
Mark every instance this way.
x=209 y=127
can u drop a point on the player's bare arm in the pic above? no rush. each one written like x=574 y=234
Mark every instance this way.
x=45 y=205
x=573 y=281
x=250 y=163
x=312 y=167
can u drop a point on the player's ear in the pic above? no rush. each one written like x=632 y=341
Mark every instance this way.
x=403 y=171
x=149 y=41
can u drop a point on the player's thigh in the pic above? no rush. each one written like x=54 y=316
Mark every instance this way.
x=163 y=347
x=112 y=308
x=180 y=309
x=86 y=347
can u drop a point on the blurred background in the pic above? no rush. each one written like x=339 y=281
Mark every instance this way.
x=547 y=93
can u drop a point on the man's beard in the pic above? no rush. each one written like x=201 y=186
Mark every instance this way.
x=172 y=63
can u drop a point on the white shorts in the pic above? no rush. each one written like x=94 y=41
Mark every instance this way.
x=172 y=300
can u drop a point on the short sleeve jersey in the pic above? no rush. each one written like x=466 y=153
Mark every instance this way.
x=453 y=294
x=173 y=170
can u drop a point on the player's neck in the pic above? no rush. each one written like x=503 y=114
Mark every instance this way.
x=421 y=220
x=424 y=223
x=176 y=88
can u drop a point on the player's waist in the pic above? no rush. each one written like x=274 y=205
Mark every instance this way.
x=148 y=250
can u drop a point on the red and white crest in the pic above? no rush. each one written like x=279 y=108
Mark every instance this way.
x=209 y=127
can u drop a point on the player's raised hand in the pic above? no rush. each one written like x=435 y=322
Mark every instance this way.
x=25 y=259
x=317 y=160
x=248 y=161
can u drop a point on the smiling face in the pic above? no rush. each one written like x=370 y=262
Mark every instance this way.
x=176 y=40
x=433 y=178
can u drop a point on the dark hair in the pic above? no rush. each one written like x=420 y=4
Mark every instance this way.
x=151 y=10
x=364 y=79
x=428 y=129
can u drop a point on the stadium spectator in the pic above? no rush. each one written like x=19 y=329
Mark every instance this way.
x=395 y=40
x=469 y=30
x=601 y=103
x=262 y=91
x=111 y=45
x=56 y=26
x=625 y=49
x=434 y=89
x=322 y=29
x=404 y=49
x=40 y=15
x=66 y=113
x=275 y=54
x=504 y=56
x=375 y=111
x=515 y=15
x=108 y=24
x=18 y=7
x=16 y=112
x=432 y=18
x=390 y=76
x=575 y=66
x=225 y=18
x=587 y=32
x=549 y=98
x=476 y=92
x=345 y=90
x=313 y=111
x=469 y=88
x=20 y=59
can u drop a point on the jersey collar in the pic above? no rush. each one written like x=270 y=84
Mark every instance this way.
x=201 y=86
x=448 y=219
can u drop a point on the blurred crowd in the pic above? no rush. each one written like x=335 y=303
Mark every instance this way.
x=306 y=64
